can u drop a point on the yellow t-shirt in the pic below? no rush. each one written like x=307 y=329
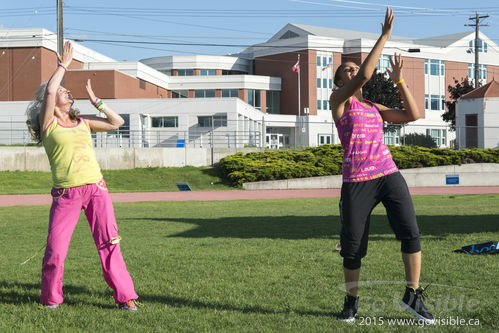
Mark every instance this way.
x=71 y=155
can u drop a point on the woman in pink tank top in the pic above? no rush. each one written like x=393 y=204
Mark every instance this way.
x=370 y=176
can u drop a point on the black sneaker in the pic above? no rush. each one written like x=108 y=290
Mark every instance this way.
x=413 y=301
x=350 y=307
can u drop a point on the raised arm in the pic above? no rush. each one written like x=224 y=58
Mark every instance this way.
x=97 y=124
x=47 y=111
x=343 y=94
x=410 y=112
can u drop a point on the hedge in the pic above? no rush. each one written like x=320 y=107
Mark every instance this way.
x=326 y=160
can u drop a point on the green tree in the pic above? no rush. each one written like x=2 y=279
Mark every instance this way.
x=380 y=89
x=460 y=88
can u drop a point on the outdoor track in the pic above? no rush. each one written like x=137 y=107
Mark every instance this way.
x=45 y=199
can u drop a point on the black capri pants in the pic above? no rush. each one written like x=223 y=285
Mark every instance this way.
x=356 y=204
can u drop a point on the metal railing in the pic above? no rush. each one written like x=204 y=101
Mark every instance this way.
x=284 y=133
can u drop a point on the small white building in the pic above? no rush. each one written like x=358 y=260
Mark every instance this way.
x=477 y=118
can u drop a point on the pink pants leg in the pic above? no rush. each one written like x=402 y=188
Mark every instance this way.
x=64 y=213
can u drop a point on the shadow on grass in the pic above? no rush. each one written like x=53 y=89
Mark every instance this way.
x=24 y=293
x=306 y=227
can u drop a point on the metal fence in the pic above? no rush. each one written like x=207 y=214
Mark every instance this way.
x=14 y=133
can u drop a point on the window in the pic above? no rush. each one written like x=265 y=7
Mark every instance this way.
x=230 y=72
x=434 y=67
x=324 y=61
x=383 y=63
x=318 y=61
x=180 y=93
x=426 y=103
x=212 y=121
x=435 y=102
x=220 y=121
x=185 y=72
x=319 y=105
x=324 y=105
x=439 y=136
x=230 y=93
x=324 y=83
x=254 y=98
x=162 y=122
x=482 y=72
x=330 y=83
x=205 y=72
x=204 y=93
x=204 y=121
x=392 y=137
x=482 y=46
x=142 y=84
x=318 y=83
x=166 y=71
x=273 y=102
x=325 y=139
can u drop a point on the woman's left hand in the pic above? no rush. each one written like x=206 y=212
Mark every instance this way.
x=396 y=72
x=90 y=92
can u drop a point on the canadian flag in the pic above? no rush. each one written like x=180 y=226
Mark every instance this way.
x=296 y=67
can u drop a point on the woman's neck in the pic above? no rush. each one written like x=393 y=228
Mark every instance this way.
x=62 y=114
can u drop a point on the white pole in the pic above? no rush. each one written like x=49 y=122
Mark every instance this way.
x=299 y=102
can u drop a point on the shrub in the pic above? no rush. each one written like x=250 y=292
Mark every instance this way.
x=327 y=159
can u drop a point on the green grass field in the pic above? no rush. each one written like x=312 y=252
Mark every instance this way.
x=134 y=180
x=251 y=266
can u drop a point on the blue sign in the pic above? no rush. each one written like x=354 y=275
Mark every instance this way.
x=452 y=179
x=180 y=143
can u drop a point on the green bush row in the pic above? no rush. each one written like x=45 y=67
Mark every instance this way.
x=326 y=160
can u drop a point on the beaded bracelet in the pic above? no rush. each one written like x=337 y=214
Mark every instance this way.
x=63 y=66
x=99 y=105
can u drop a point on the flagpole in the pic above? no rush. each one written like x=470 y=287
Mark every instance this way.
x=299 y=102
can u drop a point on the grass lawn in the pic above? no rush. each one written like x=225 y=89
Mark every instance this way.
x=134 y=180
x=251 y=266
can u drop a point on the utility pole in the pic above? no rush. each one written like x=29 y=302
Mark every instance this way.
x=477 y=26
x=60 y=33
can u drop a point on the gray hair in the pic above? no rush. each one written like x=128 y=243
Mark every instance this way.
x=33 y=112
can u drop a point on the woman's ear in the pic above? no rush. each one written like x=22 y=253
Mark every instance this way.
x=339 y=83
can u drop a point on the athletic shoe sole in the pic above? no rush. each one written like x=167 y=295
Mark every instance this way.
x=426 y=320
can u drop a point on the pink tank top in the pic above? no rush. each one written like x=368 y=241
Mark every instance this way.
x=365 y=156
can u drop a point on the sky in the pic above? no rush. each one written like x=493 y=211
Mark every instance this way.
x=134 y=30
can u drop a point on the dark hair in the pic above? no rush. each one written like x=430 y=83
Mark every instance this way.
x=337 y=74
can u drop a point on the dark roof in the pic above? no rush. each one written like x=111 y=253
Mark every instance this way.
x=491 y=89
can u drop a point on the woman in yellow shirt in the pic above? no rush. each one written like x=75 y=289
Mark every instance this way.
x=77 y=184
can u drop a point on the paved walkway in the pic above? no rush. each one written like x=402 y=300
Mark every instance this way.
x=45 y=199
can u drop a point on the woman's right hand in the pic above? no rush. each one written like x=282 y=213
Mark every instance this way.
x=67 y=54
x=386 y=28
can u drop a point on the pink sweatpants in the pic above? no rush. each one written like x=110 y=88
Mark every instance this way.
x=67 y=204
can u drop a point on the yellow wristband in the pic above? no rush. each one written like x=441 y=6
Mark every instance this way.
x=399 y=82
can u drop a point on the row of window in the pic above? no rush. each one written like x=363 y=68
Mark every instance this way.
x=323 y=83
x=324 y=61
x=439 y=136
x=202 y=72
x=203 y=121
x=434 y=67
x=323 y=105
x=482 y=72
x=254 y=97
x=482 y=46
x=434 y=102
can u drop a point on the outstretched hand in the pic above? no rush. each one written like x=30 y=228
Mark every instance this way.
x=67 y=54
x=397 y=64
x=90 y=92
x=386 y=28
